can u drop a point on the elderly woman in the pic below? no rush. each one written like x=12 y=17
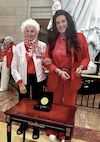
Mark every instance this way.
x=7 y=54
x=26 y=68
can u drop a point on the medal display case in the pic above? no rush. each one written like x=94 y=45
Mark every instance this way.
x=44 y=102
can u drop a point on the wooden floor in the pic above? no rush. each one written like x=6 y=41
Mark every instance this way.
x=87 y=120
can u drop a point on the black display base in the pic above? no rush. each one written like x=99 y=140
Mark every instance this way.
x=42 y=107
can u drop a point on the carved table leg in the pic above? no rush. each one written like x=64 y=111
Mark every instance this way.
x=68 y=134
x=8 y=128
x=24 y=135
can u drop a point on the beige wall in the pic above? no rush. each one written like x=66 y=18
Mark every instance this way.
x=14 y=12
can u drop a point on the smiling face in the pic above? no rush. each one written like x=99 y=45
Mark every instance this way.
x=61 y=24
x=30 y=33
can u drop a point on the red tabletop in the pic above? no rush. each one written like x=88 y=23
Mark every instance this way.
x=59 y=114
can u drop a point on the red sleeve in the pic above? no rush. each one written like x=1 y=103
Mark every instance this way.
x=84 y=55
x=19 y=81
x=2 y=54
x=51 y=67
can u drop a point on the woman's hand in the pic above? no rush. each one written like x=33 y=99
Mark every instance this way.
x=63 y=74
x=22 y=88
x=79 y=71
x=47 y=61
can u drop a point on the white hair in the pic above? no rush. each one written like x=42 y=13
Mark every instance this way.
x=30 y=22
x=8 y=39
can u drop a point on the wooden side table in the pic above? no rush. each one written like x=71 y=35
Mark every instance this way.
x=60 y=118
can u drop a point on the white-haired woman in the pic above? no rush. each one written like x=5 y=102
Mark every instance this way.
x=7 y=54
x=26 y=68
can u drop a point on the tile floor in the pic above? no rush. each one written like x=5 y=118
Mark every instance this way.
x=87 y=120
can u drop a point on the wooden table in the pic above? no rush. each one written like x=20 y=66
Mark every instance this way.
x=60 y=118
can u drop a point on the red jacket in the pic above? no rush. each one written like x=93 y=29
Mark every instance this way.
x=57 y=62
x=8 y=52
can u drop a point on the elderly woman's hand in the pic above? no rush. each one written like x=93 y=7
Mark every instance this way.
x=22 y=88
x=47 y=61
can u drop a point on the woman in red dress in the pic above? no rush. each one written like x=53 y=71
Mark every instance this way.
x=66 y=56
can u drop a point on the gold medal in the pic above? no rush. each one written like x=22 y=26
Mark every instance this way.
x=44 y=101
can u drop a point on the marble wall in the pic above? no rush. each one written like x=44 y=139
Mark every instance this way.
x=13 y=13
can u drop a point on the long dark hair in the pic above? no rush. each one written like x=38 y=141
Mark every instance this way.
x=70 y=34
